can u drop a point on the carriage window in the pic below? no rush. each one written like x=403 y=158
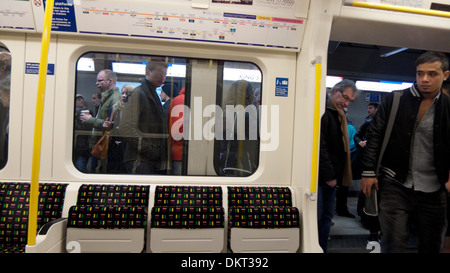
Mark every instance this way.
x=144 y=115
x=5 y=85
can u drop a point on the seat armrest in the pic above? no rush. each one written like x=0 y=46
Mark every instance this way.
x=45 y=228
x=51 y=238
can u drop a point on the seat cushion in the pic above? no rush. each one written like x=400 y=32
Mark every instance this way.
x=12 y=248
x=264 y=217
x=187 y=217
x=107 y=217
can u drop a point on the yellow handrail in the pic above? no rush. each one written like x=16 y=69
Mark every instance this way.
x=316 y=130
x=34 y=189
x=401 y=9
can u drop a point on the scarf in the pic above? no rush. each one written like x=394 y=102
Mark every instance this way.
x=347 y=178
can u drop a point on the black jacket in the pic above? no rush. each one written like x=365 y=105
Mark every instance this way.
x=332 y=153
x=395 y=162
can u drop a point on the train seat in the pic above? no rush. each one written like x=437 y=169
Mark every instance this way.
x=187 y=219
x=108 y=218
x=14 y=206
x=262 y=219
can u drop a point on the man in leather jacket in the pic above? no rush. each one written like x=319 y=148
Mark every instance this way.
x=416 y=163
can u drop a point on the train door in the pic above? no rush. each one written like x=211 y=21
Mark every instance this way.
x=379 y=61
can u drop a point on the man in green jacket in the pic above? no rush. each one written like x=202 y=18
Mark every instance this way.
x=106 y=83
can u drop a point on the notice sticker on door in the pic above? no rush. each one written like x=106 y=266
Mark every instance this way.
x=282 y=87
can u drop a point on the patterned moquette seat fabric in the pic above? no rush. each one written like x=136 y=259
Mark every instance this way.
x=113 y=195
x=259 y=196
x=187 y=217
x=264 y=217
x=14 y=206
x=187 y=207
x=188 y=196
x=110 y=207
x=107 y=217
x=261 y=207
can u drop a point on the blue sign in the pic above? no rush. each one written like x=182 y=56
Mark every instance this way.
x=373 y=97
x=33 y=68
x=282 y=87
x=64 y=16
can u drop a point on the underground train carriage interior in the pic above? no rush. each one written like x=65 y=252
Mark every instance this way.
x=246 y=192
x=119 y=218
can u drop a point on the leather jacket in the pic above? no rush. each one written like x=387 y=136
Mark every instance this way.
x=395 y=161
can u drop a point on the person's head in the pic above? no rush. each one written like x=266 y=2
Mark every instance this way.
x=96 y=99
x=126 y=91
x=155 y=72
x=241 y=92
x=372 y=108
x=168 y=91
x=106 y=79
x=432 y=68
x=343 y=93
x=79 y=102
x=5 y=88
x=5 y=64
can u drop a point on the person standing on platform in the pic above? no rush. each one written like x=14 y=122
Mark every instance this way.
x=144 y=126
x=106 y=83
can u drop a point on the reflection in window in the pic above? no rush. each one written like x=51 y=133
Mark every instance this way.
x=5 y=91
x=138 y=103
x=239 y=148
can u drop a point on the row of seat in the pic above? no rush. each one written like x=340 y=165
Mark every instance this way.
x=113 y=218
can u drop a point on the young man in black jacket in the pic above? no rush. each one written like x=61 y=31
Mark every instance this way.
x=415 y=166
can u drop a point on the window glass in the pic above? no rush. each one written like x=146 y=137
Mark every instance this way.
x=5 y=86
x=238 y=153
x=140 y=107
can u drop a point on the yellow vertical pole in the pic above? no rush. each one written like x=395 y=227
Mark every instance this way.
x=315 y=153
x=34 y=189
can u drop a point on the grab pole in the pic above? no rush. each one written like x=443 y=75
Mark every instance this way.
x=362 y=4
x=315 y=154
x=34 y=189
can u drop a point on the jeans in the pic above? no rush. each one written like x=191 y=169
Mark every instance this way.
x=401 y=207
x=326 y=199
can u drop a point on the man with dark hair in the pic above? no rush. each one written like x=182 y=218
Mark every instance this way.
x=416 y=162
x=144 y=125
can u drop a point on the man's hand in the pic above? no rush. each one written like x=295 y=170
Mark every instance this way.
x=85 y=117
x=367 y=183
x=332 y=183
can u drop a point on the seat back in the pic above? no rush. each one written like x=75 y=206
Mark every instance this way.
x=259 y=196
x=187 y=219
x=188 y=196
x=109 y=218
x=110 y=207
x=14 y=206
x=261 y=207
x=113 y=195
x=188 y=207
